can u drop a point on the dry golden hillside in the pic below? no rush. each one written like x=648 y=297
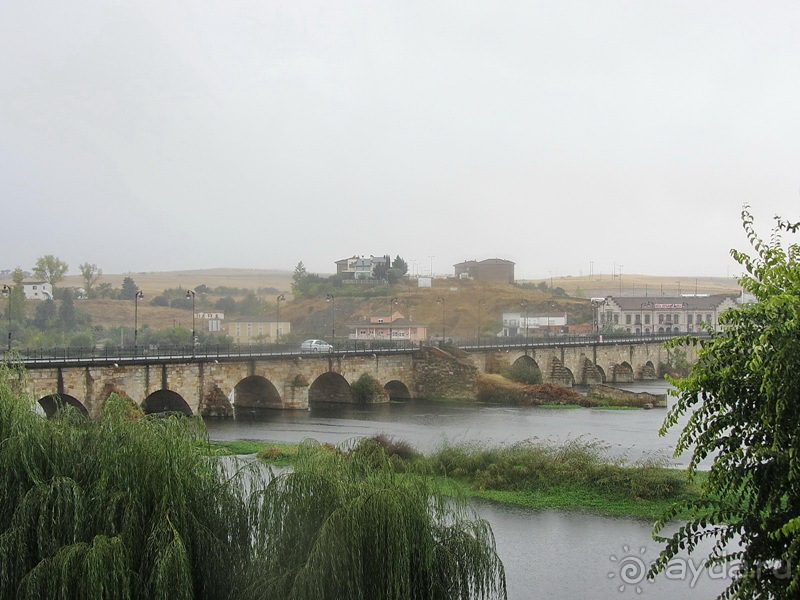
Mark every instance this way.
x=153 y=283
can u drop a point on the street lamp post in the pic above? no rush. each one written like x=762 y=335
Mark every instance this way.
x=392 y=303
x=278 y=317
x=191 y=294
x=7 y=294
x=331 y=298
x=481 y=303
x=552 y=305
x=525 y=305
x=136 y=298
x=440 y=300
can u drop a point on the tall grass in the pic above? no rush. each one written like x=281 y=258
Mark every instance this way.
x=534 y=466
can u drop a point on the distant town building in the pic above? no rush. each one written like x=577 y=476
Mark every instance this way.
x=491 y=270
x=378 y=326
x=515 y=324
x=245 y=331
x=661 y=314
x=213 y=320
x=360 y=267
x=37 y=290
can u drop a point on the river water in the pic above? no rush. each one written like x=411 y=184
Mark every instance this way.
x=546 y=553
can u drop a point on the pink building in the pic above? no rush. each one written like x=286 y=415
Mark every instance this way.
x=382 y=325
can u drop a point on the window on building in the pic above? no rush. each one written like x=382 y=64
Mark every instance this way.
x=661 y=320
x=708 y=318
x=676 y=319
x=628 y=321
x=638 y=320
x=699 y=319
x=616 y=319
x=647 y=319
x=689 y=319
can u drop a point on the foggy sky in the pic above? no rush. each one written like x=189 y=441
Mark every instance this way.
x=181 y=134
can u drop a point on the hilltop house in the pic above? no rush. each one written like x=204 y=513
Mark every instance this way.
x=491 y=270
x=37 y=290
x=382 y=325
x=360 y=267
x=213 y=320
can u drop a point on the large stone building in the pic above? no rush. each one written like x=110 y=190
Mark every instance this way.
x=494 y=270
x=664 y=314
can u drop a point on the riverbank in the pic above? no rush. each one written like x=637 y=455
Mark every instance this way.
x=578 y=475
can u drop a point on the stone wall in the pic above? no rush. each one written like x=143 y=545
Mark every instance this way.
x=441 y=375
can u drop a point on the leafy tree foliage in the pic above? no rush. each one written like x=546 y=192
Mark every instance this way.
x=400 y=265
x=128 y=290
x=299 y=278
x=66 y=312
x=16 y=303
x=741 y=398
x=91 y=274
x=50 y=268
x=129 y=507
x=45 y=314
x=105 y=290
x=382 y=268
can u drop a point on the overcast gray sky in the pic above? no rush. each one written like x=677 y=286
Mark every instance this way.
x=178 y=134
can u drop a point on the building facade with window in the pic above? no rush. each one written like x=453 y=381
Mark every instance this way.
x=661 y=314
x=244 y=331
x=516 y=324
x=383 y=324
x=37 y=290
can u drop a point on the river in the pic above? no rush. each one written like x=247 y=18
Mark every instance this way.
x=546 y=553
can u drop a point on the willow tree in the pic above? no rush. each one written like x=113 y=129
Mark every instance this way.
x=130 y=507
x=346 y=525
x=124 y=507
x=742 y=399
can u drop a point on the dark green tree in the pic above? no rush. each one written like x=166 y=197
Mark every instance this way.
x=400 y=265
x=382 y=268
x=128 y=290
x=299 y=280
x=741 y=400
x=16 y=303
x=50 y=268
x=227 y=305
x=105 y=290
x=66 y=312
x=45 y=314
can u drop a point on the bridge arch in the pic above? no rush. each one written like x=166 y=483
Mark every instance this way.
x=256 y=392
x=602 y=373
x=397 y=390
x=648 y=371
x=165 y=401
x=623 y=373
x=569 y=377
x=330 y=387
x=527 y=363
x=54 y=402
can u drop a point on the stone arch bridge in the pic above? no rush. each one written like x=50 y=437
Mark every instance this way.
x=221 y=384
